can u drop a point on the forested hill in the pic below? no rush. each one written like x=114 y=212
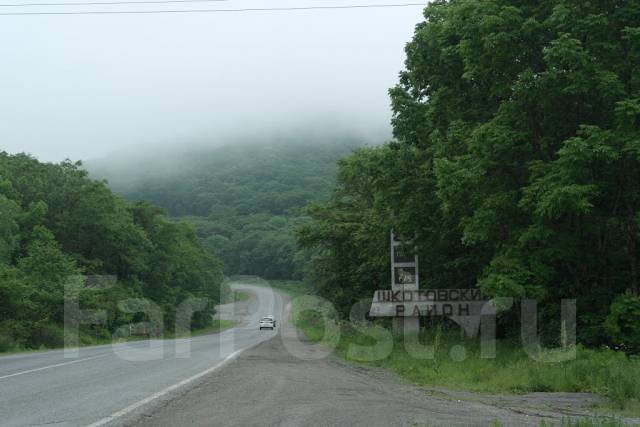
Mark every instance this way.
x=244 y=199
x=57 y=224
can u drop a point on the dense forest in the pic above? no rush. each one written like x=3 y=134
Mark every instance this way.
x=245 y=200
x=516 y=162
x=56 y=225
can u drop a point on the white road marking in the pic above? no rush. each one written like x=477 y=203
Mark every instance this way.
x=164 y=392
x=53 y=366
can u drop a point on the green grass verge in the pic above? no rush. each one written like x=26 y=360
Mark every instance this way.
x=239 y=296
x=218 y=325
x=587 y=422
x=88 y=340
x=567 y=422
x=455 y=363
x=292 y=287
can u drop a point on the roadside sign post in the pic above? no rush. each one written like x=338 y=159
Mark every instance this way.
x=404 y=277
x=406 y=302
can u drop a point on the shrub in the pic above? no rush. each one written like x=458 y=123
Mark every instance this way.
x=622 y=322
x=6 y=342
x=46 y=335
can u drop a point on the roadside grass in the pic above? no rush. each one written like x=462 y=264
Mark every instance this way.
x=239 y=296
x=218 y=325
x=586 y=422
x=88 y=339
x=566 y=422
x=249 y=280
x=444 y=358
x=85 y=340
x=292 y=287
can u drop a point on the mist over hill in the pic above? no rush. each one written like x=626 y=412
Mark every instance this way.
x=245 y=199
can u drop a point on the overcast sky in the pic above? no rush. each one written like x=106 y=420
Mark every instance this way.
x=83 y=86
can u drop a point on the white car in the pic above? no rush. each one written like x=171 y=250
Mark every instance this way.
x=267 y=323
x=272 y=318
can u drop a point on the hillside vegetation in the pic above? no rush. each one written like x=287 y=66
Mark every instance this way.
x=56 y=224
x=245 y=200
x=516 y=163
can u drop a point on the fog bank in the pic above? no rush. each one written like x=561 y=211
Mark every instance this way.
x=85 y=86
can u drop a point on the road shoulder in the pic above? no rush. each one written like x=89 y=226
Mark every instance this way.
x=267 y=386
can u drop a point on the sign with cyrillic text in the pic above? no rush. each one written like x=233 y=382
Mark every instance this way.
x=428 y=302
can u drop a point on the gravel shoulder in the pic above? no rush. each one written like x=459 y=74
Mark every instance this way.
x=269 y=385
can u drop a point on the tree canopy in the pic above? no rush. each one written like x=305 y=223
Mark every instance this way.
x=515 y=161
x=244 y=200
x=56 y=223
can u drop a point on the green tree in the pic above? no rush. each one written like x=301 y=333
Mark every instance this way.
x=56 y=223
x=517 y=124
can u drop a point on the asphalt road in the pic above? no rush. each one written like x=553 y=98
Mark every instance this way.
x=244 y=377
x=287 y=381
x=104 y=385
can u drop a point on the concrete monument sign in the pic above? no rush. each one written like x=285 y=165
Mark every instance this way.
x=406 y=302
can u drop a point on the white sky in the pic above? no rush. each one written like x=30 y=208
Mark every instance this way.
x=84 y=86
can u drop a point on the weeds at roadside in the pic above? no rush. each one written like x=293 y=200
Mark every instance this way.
x=604 y=372
x=239 y=296
x=88 y=339
x=586 y=422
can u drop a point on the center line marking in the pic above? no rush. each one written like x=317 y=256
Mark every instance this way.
x=53 y=366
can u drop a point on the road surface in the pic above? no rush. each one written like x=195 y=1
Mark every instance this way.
x=105 y=384
x=244 y=377
x=271 y=385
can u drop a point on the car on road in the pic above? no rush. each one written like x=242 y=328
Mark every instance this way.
x=272 y=318
x=267 y=323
